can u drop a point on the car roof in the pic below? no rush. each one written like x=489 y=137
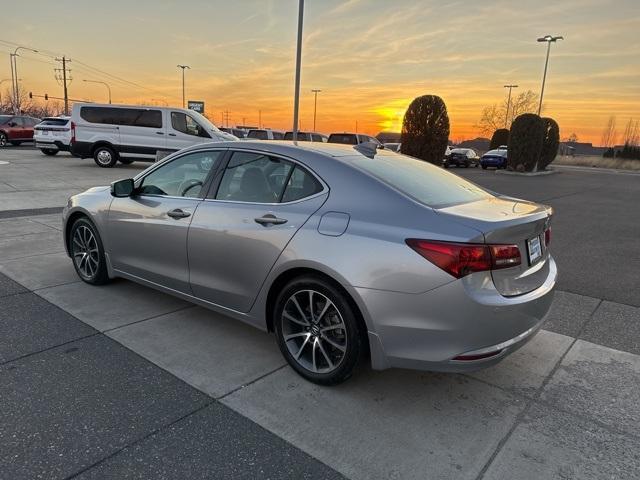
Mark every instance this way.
x=290 y=148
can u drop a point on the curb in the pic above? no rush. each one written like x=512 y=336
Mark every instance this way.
x=527 y=174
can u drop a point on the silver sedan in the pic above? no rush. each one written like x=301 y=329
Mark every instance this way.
x=342 y=251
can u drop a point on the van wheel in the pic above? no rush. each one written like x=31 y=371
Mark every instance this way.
x=49 y=151
x=125 y=161
x=105 y=157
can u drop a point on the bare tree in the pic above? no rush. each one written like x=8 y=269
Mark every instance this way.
x=609 y=133
x=632 y=133
x=493 y=116
x=571 y=138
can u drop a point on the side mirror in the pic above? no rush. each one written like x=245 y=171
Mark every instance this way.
x=122 y=188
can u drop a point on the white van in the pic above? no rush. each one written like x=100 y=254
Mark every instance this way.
x=125 y=133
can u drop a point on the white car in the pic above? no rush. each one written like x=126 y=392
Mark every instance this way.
x=265 y=134
x=125 y=133
x=53 y=135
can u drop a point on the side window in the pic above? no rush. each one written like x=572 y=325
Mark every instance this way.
x=316 y=138
x=148 y=118
x=278 y=135
x=253 y=177
x=186 y=124
x=19 y=121
x=301 y=184
x=182 y=177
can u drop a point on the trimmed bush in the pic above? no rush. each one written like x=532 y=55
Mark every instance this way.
x=525 y=142
x=550 y=142
x=425 y=129
x=500 y=137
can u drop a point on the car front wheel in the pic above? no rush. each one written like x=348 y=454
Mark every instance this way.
x=87 y=252
x=317 y=330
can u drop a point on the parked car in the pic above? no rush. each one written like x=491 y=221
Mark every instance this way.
x=494 y=158
x=238 y=132
x=265 y=134
x=353 y=138
x=53 y=135
x=307 y=136
x=394 y=147
x=349 y=251
x=16 y=129
x=125 y=133
x=461 y=157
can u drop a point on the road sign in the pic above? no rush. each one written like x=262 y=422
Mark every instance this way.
x=196 y=106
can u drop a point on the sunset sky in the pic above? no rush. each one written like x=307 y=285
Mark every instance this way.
x=369 y=57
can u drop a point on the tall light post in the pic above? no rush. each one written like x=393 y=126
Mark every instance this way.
x=315 y=106
x=103 y=83
x=14 y=76
x=183 y=67
x=549 y=39
x=296 y=99
x=506 y=117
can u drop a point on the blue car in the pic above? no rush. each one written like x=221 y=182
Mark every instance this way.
x=494 y=158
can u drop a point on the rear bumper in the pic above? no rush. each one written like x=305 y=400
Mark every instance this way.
x=52 y=145
x=466 y=317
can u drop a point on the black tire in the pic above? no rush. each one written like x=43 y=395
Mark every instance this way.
x=125 y=161
x=484 y=167
x=49 y=151
x=93 y=269
x=15 y=144
x=105 y=156
x=3 y=139
x=338 y=325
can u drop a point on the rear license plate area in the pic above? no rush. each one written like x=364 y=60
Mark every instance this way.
x=534 y=250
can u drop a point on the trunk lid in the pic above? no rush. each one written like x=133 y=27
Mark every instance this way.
x=506 y=220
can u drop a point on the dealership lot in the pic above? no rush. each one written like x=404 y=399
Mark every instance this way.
x=122 y=380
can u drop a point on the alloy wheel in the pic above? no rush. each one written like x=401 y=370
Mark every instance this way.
x=314 y=332
x=85 y=251
x=3 y=139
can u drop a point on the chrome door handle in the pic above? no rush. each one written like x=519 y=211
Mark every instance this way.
x=178 y=213
x=269 y=219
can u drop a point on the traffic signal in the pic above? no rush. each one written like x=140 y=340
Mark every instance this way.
x=30 y=95
x=46 y=96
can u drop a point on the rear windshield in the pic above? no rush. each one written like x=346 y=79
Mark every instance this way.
x=496 y=153
x=258 y=134
x=426 y=183
x=303 y=136
x=348 y=138
x=56 y=122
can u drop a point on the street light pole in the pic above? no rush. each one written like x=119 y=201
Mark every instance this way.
x=296 y=100
x=14 y=75
x=315 y=106
x=506 y=117
x=549 y=39
x=103 y=83
x=183 y=68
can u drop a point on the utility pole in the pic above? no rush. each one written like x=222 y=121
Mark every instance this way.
x=549 y=39
x=506 y=117
x=183 y=67
x=64 y=79
x=296 y=96
x=315 y=106
x=356 y=126
x=226 y=117
x=259 y=118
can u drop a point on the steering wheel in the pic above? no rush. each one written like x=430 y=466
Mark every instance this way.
x=188 y=185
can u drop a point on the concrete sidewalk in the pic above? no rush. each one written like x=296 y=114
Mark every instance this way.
x=561 y=407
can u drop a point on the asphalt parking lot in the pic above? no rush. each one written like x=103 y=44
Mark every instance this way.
x=122 y=381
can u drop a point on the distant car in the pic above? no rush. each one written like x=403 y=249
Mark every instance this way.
x=307 y=137
x=352 y=138
x=394 y=147
x=265 y=134
x=238 y=132
x=53 y=135
x=494 y=158
x=16 y=129
x=461 y=157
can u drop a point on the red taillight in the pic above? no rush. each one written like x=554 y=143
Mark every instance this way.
x=73 y=132
x=547 y=237
x=460 y=259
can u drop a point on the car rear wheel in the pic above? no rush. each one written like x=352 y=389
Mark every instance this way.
x=87 y=252
x=49 y=151
x=317 y=330
x=105 y=157
x=3 y=139
x=484 y=167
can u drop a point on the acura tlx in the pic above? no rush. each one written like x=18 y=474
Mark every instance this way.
x=343 y=252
